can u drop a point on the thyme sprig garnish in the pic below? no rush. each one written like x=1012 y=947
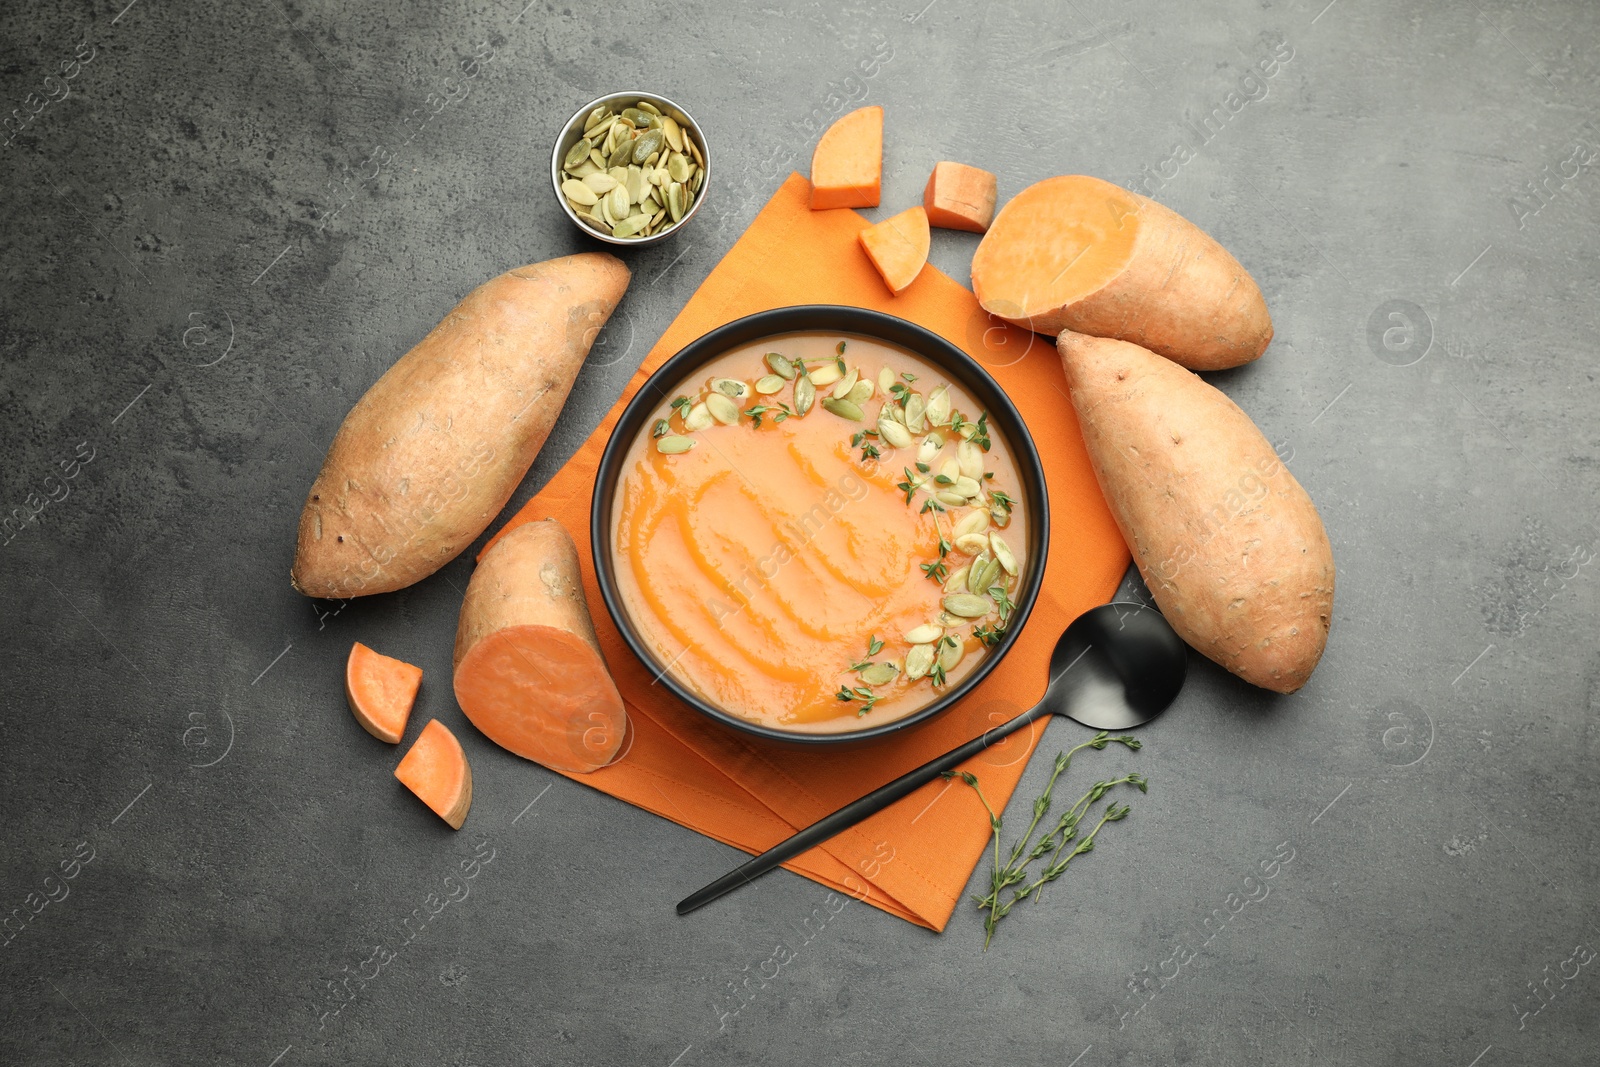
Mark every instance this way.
x=938 y=570
x=989 y=635
x=1006 y=605
x=778 y=413
x=1015 y=868
x=874 y=646
x=862 y=693
x=868 y=449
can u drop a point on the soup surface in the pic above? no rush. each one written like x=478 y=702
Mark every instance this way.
x=819 y=532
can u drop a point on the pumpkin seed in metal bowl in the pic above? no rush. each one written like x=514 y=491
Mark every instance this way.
x=630 y=168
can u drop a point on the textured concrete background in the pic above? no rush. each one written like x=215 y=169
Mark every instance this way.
x=183 y=328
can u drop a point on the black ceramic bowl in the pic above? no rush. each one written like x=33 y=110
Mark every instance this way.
x=823 y=318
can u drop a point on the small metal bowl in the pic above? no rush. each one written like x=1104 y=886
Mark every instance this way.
x=572 y=129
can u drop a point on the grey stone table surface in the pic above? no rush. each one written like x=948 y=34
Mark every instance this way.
x=223 y=221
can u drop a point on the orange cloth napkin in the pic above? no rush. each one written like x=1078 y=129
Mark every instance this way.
x=914 y=859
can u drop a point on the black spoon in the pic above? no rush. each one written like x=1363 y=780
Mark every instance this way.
x=1115 y=667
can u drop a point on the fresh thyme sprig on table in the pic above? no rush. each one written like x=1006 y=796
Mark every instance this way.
x=1015 y=868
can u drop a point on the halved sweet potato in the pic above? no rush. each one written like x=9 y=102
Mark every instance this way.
x=1079 y=255
x=437 y=771
x=381 y=691
x=528 y=669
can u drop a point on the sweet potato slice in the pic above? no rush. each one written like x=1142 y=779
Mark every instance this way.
x=428 y=457
x=959 y=197
x=381 y=690
x=437 y=771
x=1079 y=254
x=898 y=247
x=528 y=669
x=1229 y=543
x=847 y=165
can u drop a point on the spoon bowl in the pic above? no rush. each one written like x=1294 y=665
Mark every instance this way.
x=1115 y=667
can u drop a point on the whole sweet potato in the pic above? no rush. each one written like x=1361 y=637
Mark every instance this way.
x=432 y=452
x=1230 y=544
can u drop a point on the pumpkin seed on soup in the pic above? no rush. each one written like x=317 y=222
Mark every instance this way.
x=968 y=605
x=895 y=435
x=971 y=459
x=1003 y=553
x=919 y=661
x=844 y=409
x=915 y=413
x=722 y=409
x=971 y=542
x=768 y=384
x=958 y=579
x=982 y=575
x=975 y=521
x=805 y=394
x=879 y=674
x=826 y=374
x=699 y=418
x=673 y=444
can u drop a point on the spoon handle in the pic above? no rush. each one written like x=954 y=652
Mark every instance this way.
x=854 y=812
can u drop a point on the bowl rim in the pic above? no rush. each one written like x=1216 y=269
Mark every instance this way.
x=826 y=318
x=558 y=156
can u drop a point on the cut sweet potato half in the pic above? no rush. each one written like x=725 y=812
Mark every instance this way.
x=959 y=197
x=436 y=770
x=847 y=165
x=1081 y=255
x=528 y=669
x=898 y=247
x=381 y=691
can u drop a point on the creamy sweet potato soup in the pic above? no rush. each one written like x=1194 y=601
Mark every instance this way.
x=819 y=532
